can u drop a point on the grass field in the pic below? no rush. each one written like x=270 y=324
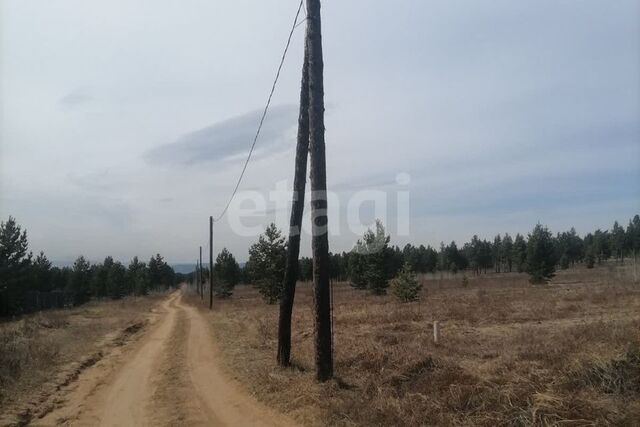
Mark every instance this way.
x=510 y=353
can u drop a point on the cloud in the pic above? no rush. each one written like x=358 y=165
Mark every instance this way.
x=96 y=182
x=229 y=139
x=75 y=98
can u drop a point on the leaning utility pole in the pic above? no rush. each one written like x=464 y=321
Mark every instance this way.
x=319 y=221
x=295 y=224
x=210 y=262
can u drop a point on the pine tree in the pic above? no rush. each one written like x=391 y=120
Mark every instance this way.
x=14 y=261
x=519 y=253
x=375 y=253
x=116 y=281
x=266 y=265
x=227 y=274
x=617 y=241
x=357 y=266
x=541 y=259
x=405 y=286
x=41 y=273
x=590 y=259
x=79 y=281
x=137 y=275
x=505 y=253
x=99 y=279
x=496 y=253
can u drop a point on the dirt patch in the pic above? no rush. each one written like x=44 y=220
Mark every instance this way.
x=46 y=352
x=172 y=401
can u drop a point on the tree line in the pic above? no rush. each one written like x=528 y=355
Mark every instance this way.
x=29 y=283
x=374 y=263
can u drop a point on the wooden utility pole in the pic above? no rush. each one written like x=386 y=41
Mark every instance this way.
x=197 y=277
x=210 y=263
x=320 y=234
x=201 y=276
x=295 y=224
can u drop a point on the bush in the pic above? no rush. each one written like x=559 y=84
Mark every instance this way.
x=405 y=286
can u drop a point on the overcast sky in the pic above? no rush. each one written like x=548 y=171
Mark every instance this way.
x=124 y=124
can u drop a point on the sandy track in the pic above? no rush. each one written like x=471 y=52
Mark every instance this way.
x=171 y=376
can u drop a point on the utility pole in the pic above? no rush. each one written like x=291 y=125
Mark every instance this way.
x=320 y=234
x=295 y=224
x=197 y=277
x=210 y=263
x=201 y=276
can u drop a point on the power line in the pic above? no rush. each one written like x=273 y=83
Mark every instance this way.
x=264 y=113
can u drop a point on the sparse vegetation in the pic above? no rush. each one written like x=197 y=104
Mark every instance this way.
x=509 y=353
x=36 y=347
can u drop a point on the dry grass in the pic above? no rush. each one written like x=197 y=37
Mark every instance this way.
x=510 y=353
x=34 y=348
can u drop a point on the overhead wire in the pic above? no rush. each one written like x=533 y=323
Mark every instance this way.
x=264 y=113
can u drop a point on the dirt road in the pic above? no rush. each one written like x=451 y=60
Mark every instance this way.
x=171 y=376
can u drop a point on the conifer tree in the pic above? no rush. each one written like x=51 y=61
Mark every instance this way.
x=405 y=286
x=266 y=265
x=227 y=274
x=541 y=259
x=374 y=255
x=79 y=280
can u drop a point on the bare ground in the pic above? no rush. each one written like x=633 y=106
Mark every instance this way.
x=42 y=352
x=168 y=375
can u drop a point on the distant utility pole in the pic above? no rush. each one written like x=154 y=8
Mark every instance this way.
x=201 y=276
x=210 y=263
x=196 y=277
x=295 y=224
x=320 y=234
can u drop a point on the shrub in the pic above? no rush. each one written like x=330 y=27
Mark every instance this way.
x=405 y=286
x=465 y=281
x=590 y=260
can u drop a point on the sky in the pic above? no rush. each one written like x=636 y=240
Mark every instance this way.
x=125 y=124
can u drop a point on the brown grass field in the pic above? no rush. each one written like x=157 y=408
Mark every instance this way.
x=510 y=353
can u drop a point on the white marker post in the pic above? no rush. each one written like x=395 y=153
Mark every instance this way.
x=436 y=332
